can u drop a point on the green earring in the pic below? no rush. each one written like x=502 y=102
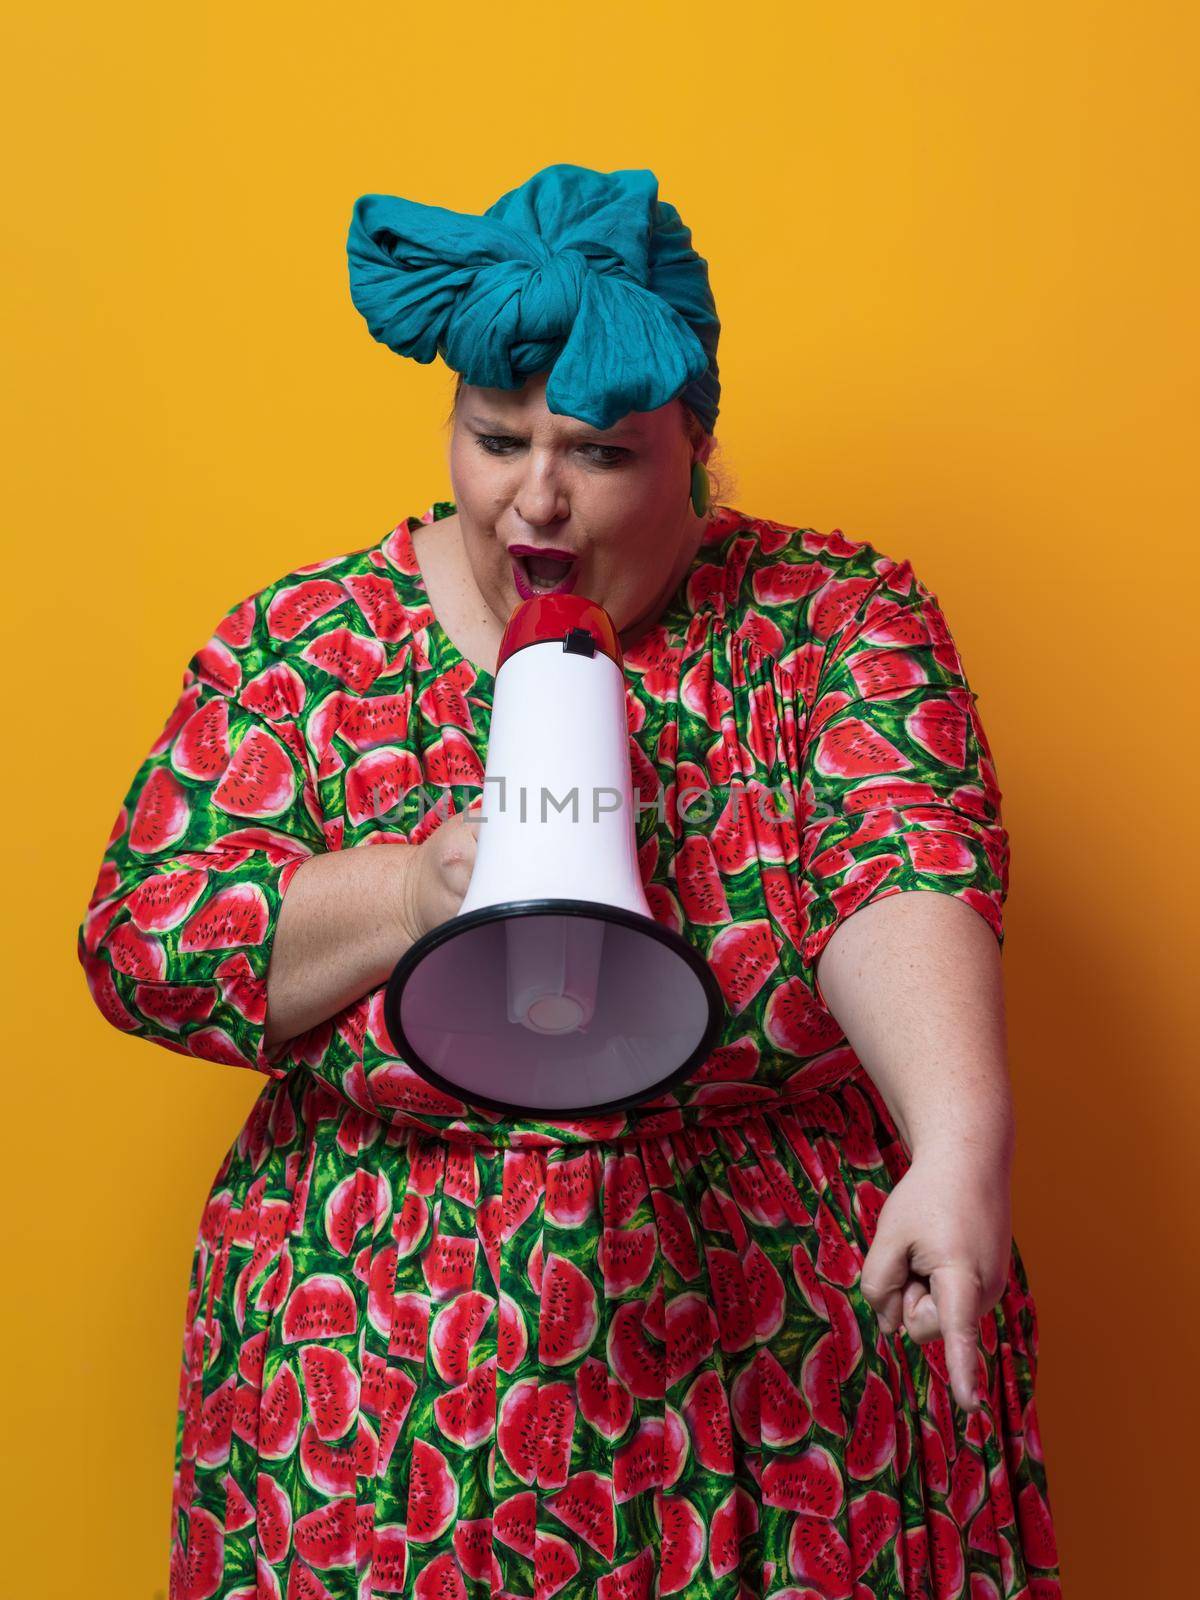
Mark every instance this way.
x=700 y=488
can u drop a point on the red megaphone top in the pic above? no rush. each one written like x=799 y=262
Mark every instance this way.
x=553 y=617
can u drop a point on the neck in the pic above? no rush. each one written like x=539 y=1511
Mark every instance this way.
x=631 y=636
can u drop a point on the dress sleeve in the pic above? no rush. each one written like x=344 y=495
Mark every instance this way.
x=898 y=786
x=178 y=932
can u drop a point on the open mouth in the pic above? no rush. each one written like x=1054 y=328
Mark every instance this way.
x=543 y=574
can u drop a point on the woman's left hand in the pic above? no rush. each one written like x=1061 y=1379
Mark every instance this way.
x=940 y=1257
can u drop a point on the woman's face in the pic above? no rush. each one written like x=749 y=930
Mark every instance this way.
x=618 y=499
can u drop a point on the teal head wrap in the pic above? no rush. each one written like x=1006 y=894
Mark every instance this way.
x=586 y=273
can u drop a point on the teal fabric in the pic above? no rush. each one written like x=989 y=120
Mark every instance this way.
x=588 y=274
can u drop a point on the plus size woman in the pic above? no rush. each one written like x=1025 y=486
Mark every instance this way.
x=766 y=1334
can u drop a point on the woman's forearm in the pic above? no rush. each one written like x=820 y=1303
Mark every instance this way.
x=915 y=981
x=344 y=923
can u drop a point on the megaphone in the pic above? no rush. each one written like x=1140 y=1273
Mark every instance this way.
x=553 y=991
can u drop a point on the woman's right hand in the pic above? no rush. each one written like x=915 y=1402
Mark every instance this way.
x=350 y=915
x=438 y=876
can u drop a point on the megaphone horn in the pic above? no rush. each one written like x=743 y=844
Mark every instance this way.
x=553 y=991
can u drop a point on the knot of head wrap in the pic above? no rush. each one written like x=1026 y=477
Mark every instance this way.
x=586 y=273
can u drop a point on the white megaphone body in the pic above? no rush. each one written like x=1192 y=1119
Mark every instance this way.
x=553 y=991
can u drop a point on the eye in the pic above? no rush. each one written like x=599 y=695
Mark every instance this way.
x=612 y=456
x=500 y=444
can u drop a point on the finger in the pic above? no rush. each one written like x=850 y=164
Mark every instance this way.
x=884 y=1273
x=916 y=1290
x=920 y=1312
x=956 y=1293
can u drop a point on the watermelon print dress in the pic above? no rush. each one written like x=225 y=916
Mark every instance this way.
x=431 y=1351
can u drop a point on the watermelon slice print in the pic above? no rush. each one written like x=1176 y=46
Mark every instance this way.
x=201 y=748
x=259 y=781
x=161 y=815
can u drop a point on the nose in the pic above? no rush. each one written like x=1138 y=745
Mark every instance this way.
x=540 y=500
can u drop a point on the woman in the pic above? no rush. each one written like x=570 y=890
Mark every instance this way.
x=728 y=1342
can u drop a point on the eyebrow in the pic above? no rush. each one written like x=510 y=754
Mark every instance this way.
x=488 y=425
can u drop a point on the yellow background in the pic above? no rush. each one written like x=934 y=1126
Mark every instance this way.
x=953 y=249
